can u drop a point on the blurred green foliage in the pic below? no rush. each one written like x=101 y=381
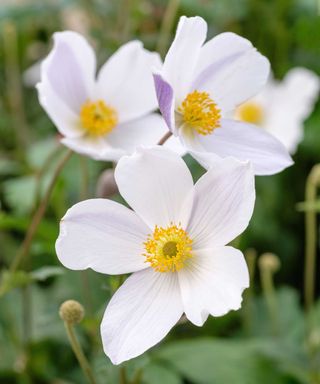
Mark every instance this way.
x=241 y=347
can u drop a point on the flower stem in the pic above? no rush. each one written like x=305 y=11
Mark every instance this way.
x=165 y=138
x=84 y=190
x=13 y=84
x=76 y=347
x=123 y=375
x=167 y=25
x=251 y=257
x=40 y=175
x=269 y=264
x=312 y=183
x=24 y=249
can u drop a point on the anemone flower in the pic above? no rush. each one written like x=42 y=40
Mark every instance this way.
x=281 y=107
x=103 y=116
x=198 y=87
x=173 y=242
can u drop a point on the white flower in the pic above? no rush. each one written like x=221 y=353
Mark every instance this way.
x=104 y=117
x=281 y=107
x=200 y=84
x=174 y=242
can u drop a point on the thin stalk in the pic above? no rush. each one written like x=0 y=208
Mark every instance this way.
x=312 y=183
x=269 y=264
x=251 y=257
x=76 y=347
x=26 y=313
x=137 y=379
x=124 y=20
x=36 y=219
x=165 y=138
x=46 y=165
x=84 y=178
x=123 y=375
x=13 y=84
x=166 y=26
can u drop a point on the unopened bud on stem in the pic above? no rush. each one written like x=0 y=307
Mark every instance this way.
x=106 y=186
x=71 y=311
x=270 y=262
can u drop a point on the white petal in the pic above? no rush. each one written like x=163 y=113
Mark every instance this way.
x=97 y=148
x=140 y=314
x=244 y=142
x=231 y=70
x=301 y=88
x=292 y=102
x=66 y=121
x=223 y=204
x=102 y=235
x=157 y=184
x=213 y=283
x=175 y=145
x=147 y=130
x=125 y=81
x=69 y=75
x=181 y=59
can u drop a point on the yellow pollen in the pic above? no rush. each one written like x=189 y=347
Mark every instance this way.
x=167 y=249
x=250 y=112
x=200 y=112
x=98 y=118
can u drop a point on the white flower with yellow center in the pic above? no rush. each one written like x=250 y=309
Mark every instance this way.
x=103 y=116
x=281 y=107
x=199 y=86
x=174 y=241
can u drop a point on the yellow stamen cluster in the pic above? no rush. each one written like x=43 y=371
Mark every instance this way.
x=250 y=112
x=168 y=248
x=200 y=112
x=98 y=118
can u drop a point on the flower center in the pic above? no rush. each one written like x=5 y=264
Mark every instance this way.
x=167 y=249
x=98 y=118
x=250 y=112
x=200 y=112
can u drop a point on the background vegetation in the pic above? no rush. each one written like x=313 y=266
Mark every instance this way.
x=271 y=339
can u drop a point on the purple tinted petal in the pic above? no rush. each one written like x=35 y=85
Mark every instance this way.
x=213 y=69
x=66 y=77
x=164 y=93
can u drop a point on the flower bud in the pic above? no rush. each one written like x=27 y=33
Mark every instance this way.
x=269 y=261
x=71 y=311
x=106 y=186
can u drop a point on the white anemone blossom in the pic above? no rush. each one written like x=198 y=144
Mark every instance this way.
x=103 y=116
x=200 y=85
x=282 y=106
x=173 y=241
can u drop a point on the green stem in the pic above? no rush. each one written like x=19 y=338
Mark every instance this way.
x=311 y=236
x=25 y=247
x=123 y=375
x=137 y=377
x=266 y=275
x=84 y=192
x=13 y=84
x=166 y=26
x=76 y=347
x=26 y=313
x=46 y=165
x=250 y=256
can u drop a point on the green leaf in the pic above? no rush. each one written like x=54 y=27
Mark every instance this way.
x=214 y=361
x=44 y=273
x=156 y=373
x=18 y=279
x=12 y=280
